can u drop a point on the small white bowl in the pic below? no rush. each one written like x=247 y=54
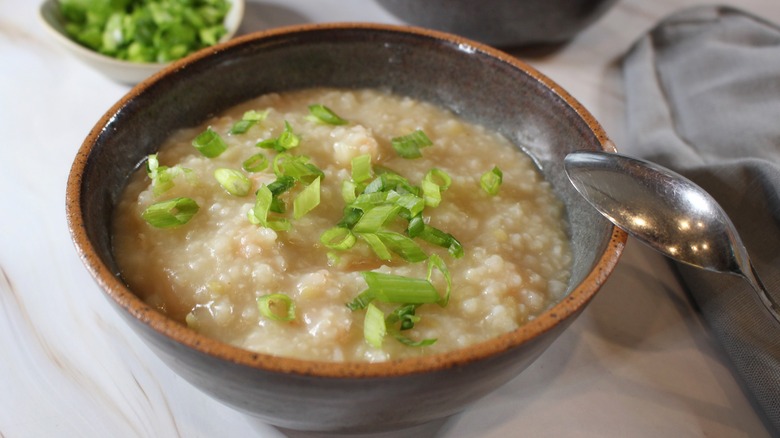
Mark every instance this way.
x=119 y=70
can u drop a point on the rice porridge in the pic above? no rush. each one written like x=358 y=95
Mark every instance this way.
x=342 y=225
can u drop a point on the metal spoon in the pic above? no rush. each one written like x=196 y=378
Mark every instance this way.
x=666 y=211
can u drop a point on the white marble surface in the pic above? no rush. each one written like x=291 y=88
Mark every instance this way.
x=638 y=362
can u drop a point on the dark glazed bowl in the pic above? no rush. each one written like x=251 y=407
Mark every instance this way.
x=475 y=81
x=503 y=23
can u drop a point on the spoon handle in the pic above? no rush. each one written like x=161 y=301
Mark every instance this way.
x=755 y=281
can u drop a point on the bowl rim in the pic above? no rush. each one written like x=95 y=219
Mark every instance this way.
x=122 y=296
x=47 y=16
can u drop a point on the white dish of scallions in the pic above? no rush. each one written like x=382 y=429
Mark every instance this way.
x=132 y=43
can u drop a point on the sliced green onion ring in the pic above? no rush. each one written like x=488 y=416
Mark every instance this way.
x=390 y=288
x=307 y=199
x=408 y=146
x=322 y=113
x=209 y=143
x=491 y=181
x=170 y=213
x=278 y=307
x=249 y=119
x=374 y=328
x=255 y=163
x=338 y=238
x=233 y=181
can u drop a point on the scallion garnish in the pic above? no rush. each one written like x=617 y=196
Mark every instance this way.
x=491 y=181
x=338 y=238
x=435 y=182
x=255 y=163
x=278 y=307
x=374 y=328
x=402 y=245
x=233 y=181
x=361 y=168
x=285 y=141
x=249 y=119
x=408 y=146
x=435 y=262
x=162 y=176
x=171 y=213
x=390 y=288
x=307 y=199
x=258 y=214
x=296 y=166
x=322 y=113
x=209 y=143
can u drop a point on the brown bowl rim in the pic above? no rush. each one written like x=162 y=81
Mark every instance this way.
x=138 y=309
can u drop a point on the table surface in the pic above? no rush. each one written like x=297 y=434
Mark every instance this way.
x=638 y=362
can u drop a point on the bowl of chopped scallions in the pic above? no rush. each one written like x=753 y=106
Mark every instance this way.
x=129 y=40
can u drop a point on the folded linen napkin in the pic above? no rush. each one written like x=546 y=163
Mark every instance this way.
x=703 y=98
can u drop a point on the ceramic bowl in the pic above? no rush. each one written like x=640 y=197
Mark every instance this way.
x=475 y=81
x=121 y=71
x=503 y=23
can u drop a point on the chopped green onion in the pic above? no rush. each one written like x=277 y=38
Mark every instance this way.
x=361 y=168
x=249 y=119
x=307 y=199
x=258 y=214
x=374 y=328
x=491 y=181
x=296 y=166
x=390 y=288
x=233 y=181
x=323 y=114
x=376 y=244
x=410 y=343
x=415 y=227
x=162 y=176
x=373 y=219
x=278 y=307
x=403 y=246
x=209 y=143
x=432 y=188
x=434 y=261
x=348 y=191
x=408 y=146
x=171 y=213
x=255 y=163
x=285 y=141
x=440 y=238
x=338 y=238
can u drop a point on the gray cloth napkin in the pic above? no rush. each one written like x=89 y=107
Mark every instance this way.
x=703 y=98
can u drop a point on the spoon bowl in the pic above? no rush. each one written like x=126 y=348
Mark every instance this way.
x=666 y=211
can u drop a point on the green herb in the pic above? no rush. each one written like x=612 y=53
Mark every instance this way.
x=408 y=146
x=491 y=181
x=171 y=213
x=321 y=113
x=209 y=143
x=233 y=181
x=259 y=213
x=163 y=176
x=145 y=30
x=249 y=119
x=278 y=307
x=435 y=182
x=285 y=141
x=374 y=328
x=307 y=199
x=255 y=163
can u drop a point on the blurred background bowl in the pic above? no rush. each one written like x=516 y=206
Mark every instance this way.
x=490 y=88
x=502 y=23
x=119 y=70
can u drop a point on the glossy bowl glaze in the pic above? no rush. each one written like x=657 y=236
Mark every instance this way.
x=119 y=70
x=503 y=23
x=475 y=81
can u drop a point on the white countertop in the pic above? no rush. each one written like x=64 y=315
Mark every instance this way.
x=638 y=362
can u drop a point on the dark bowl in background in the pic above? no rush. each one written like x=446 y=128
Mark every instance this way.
x=502 y=23
x=477 y=82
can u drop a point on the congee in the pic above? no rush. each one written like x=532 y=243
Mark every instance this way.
x=342 y=225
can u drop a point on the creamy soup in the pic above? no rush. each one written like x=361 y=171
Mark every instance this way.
x=459 y=219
